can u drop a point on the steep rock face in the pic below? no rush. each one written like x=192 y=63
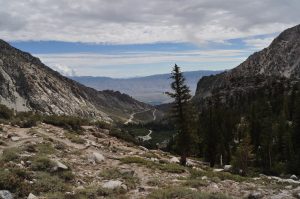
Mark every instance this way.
x=279 y=62
x=26 y=84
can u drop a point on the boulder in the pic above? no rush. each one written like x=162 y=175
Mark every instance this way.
x=59 y=166
x=127 y=172
x=15 y=138
x=227 y=168
x=4 y=194
x=112 y=184
x=96 y=157
x=294 y=177
x=218 y=170
x=31 y=196
x=255 y=195
x=174 y=160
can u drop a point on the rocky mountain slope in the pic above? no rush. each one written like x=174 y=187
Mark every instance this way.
x=278 y=62
x=148 y=89
x=26 y=84
x=48 y=162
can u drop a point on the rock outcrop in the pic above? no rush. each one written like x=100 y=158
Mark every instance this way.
x=26 y=84
x=278 y=62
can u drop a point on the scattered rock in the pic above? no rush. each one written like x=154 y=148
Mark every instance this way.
x=15 y=138
x=294 y=177
x=4 y=194
x=143 y=148
x=141 y=189
x=174 y=160
x=59 y=166
x=112 y=184
x=204 y=178
x=227 y=168
x=218 y=170
x=31 y=196
x=95 y=158
x=255 y=195
x=127 y=172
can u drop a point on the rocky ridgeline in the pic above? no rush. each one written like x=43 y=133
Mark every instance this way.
x=50 y=162
x=279 y=62
x=26 y=84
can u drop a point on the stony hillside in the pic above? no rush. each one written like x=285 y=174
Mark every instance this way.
x=278 y=62
x=50 y=162
x=26 y=84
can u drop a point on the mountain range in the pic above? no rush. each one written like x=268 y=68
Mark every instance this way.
x=26 y=84
x=278 y=63
x=149 y=89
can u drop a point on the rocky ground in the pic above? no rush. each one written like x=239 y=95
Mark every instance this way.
x=51 y=162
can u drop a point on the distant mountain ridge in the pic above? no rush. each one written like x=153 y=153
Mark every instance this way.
x=280 y=62
x=26 y=84
x=149 y=89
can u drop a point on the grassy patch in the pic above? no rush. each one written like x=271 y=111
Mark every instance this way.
x=42 y=163
x=97 y=192
x=112 y=174
x=184 y=193
x=74 y=138
x=217 y=175
x=10 y=154
x=154 y=182
x=13 y=180
x=49 y=183
x=168 y=167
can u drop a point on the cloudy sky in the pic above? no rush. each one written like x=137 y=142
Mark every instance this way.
x=125 y=38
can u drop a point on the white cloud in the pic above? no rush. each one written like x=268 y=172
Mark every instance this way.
x=63 y=69
x=144 y=21
x=96 y=64
x=259 y=43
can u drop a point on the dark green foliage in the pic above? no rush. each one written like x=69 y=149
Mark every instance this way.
x=271 y=132
x=13 y=180
x=67 y=122
x=182 y=114
x=5 y=112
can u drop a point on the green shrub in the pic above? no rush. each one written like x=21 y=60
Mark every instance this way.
x=49 y=183
x=113 y=173
x=13 y=180
x=42 y=163
x=67 y=122
x=10 y=154
x=184 y=193
x=171 y=168
x=5 y=112
x=75 y=138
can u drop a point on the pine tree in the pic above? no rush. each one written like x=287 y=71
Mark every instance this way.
x=182 y=114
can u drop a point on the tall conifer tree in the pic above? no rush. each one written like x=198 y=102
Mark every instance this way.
x=182 y=114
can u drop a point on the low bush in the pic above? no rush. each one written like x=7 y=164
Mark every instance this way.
x=10 y=154
x=66 y=122
x=49 y=183
x=42 y=163
x=184 y=193
x=113 y=173
x=168 y=167
x=5 y=112
x=13 y=180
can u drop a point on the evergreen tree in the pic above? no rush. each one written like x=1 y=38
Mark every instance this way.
x=182 y=113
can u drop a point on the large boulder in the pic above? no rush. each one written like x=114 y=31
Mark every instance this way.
x=96 y=157
x=112 y=184
x=59 y=166
x=174 y=160
x=31 y=196
x=4 y=194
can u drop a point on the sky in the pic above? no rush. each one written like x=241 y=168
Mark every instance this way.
x=128 y=38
